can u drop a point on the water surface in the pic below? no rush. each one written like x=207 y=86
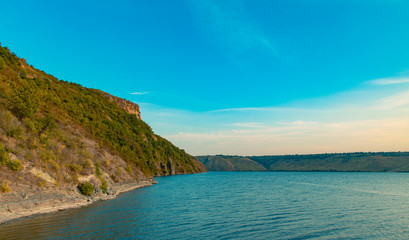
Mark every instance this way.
x=239 y=205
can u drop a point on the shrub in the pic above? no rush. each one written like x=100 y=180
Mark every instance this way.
x=4 y=187
x=14 y=132
x=1 y=63
x=87 y=164
x=3 y=154
x=14 y=165
x=75 y=167
x=86 y=188
x=104 y=186
x=128 y=168
x=97 y=170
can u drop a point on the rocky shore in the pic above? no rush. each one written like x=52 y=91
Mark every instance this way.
x=28 y=201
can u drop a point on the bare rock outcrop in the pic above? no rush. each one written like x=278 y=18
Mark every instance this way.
x=128 y=106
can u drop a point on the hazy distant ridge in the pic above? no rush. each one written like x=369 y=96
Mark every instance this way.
x=337 y=162
x=230 y=163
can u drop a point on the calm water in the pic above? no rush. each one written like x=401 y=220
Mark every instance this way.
x=267 y=205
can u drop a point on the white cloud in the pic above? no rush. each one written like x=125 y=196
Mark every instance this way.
x=249 y=125
x=395 y=101
x=230 y=25
x=366 y=119
x=389 y=81
x=139 y=93
x=369 y=135
x=262 y=109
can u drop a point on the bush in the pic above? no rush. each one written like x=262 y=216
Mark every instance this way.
x=97 y=170
x=1 y=63
x=104 y=186
x=128 y=168
x=5 y=187
x=14 y=132
x=3 y=154
x=75 y=167
x=14 y=165
x=87 y=164
x=86 y=188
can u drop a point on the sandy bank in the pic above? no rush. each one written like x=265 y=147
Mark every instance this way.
x=30 y=202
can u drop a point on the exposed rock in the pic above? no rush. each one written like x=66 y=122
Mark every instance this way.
x=128 y=106
x=56 y=135
x=13 y=206
x=43 y=175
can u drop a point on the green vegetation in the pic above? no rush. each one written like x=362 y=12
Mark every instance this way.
x=64 y=129
x=333 y=162
x=14 y=165
x=4 y=158
x=230 y=164
x=104 y=185
x=86 y=188
x=4 y=187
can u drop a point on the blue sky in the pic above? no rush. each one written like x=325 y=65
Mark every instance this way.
x=234 y=77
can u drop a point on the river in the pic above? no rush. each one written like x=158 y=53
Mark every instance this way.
x=238 y=205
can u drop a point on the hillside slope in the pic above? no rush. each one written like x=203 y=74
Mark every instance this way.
x=230 y=163
x=56 y=135
x=345 y=162
x=336 y=162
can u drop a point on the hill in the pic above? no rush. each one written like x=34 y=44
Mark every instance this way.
x=230 y=163
x=60 y=138
x=343 y=162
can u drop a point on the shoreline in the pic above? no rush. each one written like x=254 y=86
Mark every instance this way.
x=49 y=201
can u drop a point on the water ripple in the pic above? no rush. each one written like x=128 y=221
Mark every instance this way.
x=239 y=206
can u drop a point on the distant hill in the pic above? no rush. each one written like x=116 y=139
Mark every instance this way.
x=230 y=163
x=345 y=162
x=56 y=135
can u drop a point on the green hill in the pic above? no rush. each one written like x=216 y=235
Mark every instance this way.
x=230 y=163
x=56 y=134
x=343 y=162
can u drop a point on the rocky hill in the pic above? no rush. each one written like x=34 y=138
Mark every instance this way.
x=60 y=139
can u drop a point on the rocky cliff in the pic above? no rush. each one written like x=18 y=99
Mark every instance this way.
x=61 y=141
x=128 y=106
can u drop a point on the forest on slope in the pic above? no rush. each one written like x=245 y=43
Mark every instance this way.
x=58 y=134
x=329 y=162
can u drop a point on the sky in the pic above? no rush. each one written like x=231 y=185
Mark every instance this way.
x=240 y=77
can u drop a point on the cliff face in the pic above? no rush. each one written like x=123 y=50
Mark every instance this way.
x=128 y=106
x=56 y=136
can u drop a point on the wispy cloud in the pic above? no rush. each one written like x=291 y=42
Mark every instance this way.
x=389 y=81
x=261 y=109
x=248 y=125
x=368 y=135
x=229 y=24
x=269 y=46
x=370 y=118
x=400 y=99
x=139 y=93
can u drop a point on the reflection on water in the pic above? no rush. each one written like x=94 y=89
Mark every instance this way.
x=246 y=205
